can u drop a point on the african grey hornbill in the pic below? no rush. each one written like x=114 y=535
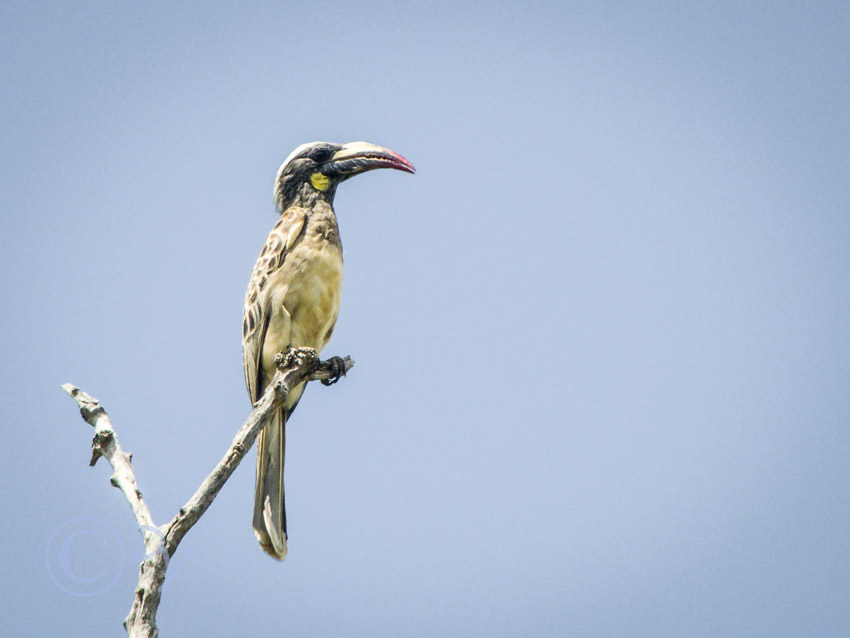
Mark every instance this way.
x=293 y=298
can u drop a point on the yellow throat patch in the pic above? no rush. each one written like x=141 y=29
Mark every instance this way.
x=320 y=182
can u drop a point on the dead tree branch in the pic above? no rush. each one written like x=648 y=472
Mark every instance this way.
x=295 y=366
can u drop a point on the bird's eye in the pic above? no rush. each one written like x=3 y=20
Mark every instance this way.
x=321 y=155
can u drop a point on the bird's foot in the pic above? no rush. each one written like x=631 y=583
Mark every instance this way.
x=292 y=357
x=336 y=368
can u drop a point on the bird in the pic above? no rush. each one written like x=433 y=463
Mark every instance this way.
x=293 y=298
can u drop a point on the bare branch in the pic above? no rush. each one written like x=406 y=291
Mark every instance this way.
x=105 y=444
x=295 y=366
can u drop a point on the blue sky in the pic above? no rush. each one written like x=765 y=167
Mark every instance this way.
x=601 y=335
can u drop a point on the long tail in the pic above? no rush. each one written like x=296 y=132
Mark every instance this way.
x=269 y=504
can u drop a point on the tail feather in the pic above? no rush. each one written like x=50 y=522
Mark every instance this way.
x=269 y=502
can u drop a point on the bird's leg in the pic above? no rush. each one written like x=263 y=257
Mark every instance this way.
x=337 y=370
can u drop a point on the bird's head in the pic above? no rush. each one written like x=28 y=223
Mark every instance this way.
x=312 y=171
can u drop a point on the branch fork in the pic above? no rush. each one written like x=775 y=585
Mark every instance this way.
x=294 y=366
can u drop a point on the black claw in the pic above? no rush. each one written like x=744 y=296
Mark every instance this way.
x=337 y=370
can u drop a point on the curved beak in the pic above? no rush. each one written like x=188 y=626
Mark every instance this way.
x=358 y=157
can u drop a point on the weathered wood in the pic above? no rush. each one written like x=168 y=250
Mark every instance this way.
x=295 y=366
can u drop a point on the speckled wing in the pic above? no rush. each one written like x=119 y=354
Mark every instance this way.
x=256 y=313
